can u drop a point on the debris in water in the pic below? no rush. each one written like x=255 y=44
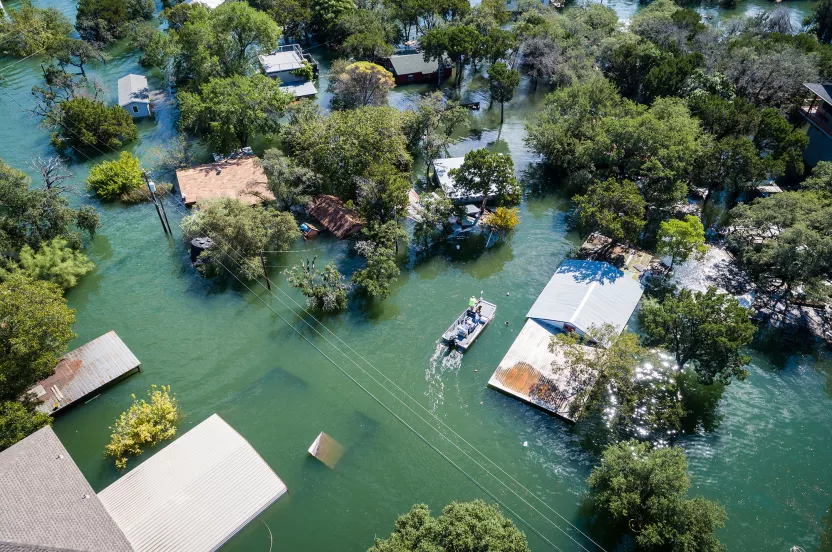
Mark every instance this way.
x=476 y=370
x=525 y=443
x=507 y=294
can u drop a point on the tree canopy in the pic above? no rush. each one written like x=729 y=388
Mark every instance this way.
x=28 y=29
x=359 y=84
x=112 y=179
x=106 y=21
x=144 y=423
x=18 y=421
x=503 y=82
x=616 y=209
x=682 y=239
x=487 y=174
x=324 y=289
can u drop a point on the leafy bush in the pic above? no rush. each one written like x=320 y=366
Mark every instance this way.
x=85 y=123
x=111 y=179
x=304 y=71
x=503 y=220
x=324 y=289
x=145 y=423
x=55 y=262
x=18 y=421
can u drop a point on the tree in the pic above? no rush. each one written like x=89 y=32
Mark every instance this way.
x=781 y=144
x=360 y=84
x=325 y=13
x=682 y=239
x=704 y=330
x=820 y=180
x=324 y=289
x=239 y=232
x=84 y=123
x=430 y=125
x=731 y=162
x=228 y=112
x=487 y=174
x=627 y=61
x=432 y=223
x=290 y=183
x=820 y=20
x=293 y=16
x=106 y=21
x=365 y=34
x=645 y=488
x=27 y=30
x=71 y=52
x=111 y=179
x=379 y=249
x=770 y=77
x=502 y=221
x=462 y=527
x=723 y=118
x=610 y=377
x=35 y=327
x=669 y=76
x=55 y=262
x=144 y=423
x=383 y=194
x=504 y=82
x=18 y=421
x=616 y=209
x=459 y=43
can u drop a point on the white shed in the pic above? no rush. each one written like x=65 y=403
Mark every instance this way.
x=134 y=95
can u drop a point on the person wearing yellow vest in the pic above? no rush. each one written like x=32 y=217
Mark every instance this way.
x=472 y=302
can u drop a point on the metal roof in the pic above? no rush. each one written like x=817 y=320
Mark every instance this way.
x=85 y=370
x=410 y=64
x=303 y=90
x=47 y=503
x=587 y=293
x=195 y=494
x=133 y=89
x=824 y=91
x=277 y=62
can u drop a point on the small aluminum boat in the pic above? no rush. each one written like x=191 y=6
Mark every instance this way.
x=452 y=338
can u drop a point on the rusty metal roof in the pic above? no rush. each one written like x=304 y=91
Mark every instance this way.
x=84 y=371
x=335 y=216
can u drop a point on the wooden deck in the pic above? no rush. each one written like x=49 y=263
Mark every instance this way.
x=85 y=371
x=533 y=374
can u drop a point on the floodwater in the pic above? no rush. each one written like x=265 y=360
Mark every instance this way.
x=418 y=425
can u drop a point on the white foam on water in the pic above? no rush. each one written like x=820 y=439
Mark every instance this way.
x=441 y=362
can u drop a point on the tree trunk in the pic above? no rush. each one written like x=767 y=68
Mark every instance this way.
x=502 y=105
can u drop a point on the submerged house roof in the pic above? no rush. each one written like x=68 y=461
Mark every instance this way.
x=48 y=505
x=442 y=169
x=587 y=293
x=335 y=216
x=242 y=178
x=133 y=89
x=823 y=91
x=286 y=59
x=84 y=371
x=194 y=494
x=410 y=64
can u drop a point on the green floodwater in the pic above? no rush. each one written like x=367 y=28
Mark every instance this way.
x=763 y=451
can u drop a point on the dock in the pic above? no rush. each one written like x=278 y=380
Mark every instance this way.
x=85 y=371
x=241 y=178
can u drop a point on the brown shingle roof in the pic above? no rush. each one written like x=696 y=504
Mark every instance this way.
x=338 y=219
x=240 y=178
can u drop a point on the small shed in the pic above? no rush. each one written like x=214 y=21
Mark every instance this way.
x=134 y=95
x=412 y=68
x=332 y=213
x=84 y=371
x=242 y=178
x=195 y=494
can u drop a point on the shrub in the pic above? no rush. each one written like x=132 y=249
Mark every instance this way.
x=55 y=262
x=18 y=421
x=145 y=423
x=324 y=289
x=112 y=179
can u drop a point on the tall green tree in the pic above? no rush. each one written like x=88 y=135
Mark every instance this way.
x=290 y=183
x=324 y=289
x=682 y=239
x=228 y=112
x=106 y=21
x=503 y=83
x=462 y=527
x=383 y=194
x=459 y=43
x=430 y=124
x=645 y=488
x=55 y=262
x=820 y=20
x=432 y=224
x=487 y=174
x=781 y=144
x=90 y=124
x=730 y=162
x=381 y=270
x=325 y=14
x=704 y=330
x=820 y=180
x=35 y=327
x=111 y=179
x=616 y=209
x=27 y=29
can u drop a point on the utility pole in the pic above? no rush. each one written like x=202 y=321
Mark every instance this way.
x=150 y=188
x=265 y=271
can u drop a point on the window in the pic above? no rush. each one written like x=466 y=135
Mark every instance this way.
x=135 y=109
x=410 y=77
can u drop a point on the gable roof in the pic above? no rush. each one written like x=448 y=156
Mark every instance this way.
x=47 y=503
x=133 y=89
x=587 y=293
x=194 y=494
x=824 y=91
x=335 y=216
x=413 y=63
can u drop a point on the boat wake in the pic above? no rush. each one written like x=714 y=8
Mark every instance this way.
x=441 y=362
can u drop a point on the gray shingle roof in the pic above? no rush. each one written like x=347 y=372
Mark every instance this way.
x=47 y=503
x=413 y=63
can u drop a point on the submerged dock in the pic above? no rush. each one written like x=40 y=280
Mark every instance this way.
x=84 y=371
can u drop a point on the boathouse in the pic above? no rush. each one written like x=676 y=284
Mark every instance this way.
x=85 y=371
x=334 y=215
x=412 y=68
x=283 y=62
x=194 y=495
x=442 y=176
x=817 y=109
x=240 y=177
x=134 y=95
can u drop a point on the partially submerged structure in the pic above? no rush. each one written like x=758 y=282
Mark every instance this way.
x=412 y=68
x=817 y=109
x=134 y=95
x=334 y=216
x=442 y=176
x=193 y=495
x=85 y=371
x=240 y=177
x=327 y=450
x=580 y=295
x=284 y=64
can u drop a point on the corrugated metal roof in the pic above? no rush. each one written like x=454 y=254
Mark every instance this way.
x=133 y=89
x=410 y=64
x=527 y=373
x=587 y=293
x=84 y=371
x=277 y=62
x=303 y=90
x=47 y=503
x=824 y=91
x=195 y=494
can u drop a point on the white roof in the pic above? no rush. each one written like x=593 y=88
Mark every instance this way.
x=301 y=90
x=210 y=4
x=443 y=168
x=587 y=293
x=195 y=494
x=132 y=89
x=287 y=60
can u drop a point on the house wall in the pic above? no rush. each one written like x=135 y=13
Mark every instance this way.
x=415 y=78
x=138 y=109
x=819 y=148
x=286 y=77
